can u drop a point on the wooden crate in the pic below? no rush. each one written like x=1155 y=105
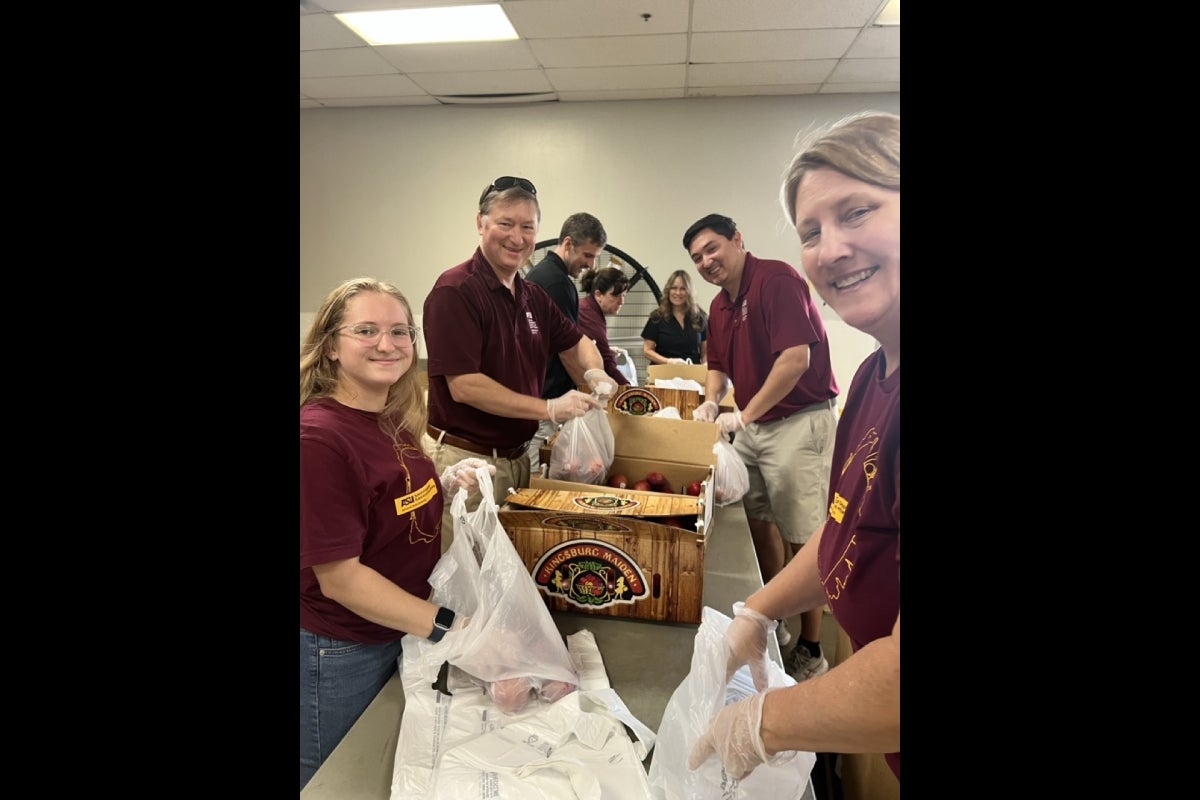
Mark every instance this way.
x=653 y=540
x=611 y=565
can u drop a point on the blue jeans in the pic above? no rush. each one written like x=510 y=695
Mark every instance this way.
x=338 y=680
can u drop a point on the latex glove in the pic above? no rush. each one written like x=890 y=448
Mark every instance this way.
x=676 y=361
x=731 y=421
x=572 y=404
x=747 y=640
x=463 y=474
x=706 y=412
x=599 y=382
x=735 y=736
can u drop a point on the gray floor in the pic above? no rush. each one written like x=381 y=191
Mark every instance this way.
x=829 y=634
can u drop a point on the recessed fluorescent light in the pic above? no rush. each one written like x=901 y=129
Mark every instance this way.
x=890 y=15
x=480 y=23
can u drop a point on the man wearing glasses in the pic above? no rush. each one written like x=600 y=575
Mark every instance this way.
x=490 y=336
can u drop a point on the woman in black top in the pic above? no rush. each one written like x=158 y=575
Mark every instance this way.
x=677 y=331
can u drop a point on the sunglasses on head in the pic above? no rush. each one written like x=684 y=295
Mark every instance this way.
x=507 y=182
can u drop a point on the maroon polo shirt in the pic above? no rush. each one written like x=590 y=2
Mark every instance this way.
x=772 y=312
x=594 y=322
x=473 y=323
x=859 y=556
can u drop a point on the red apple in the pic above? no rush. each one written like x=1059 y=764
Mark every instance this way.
x=656 y=480
x=642 y=486
x=693 y=488
x=618 y=480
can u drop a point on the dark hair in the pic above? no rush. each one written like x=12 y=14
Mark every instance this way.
x=583 y=227
x=718 y=222
x=604 y=280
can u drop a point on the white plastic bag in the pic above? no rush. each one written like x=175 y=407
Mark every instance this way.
x=692 y=706
x=731 y=479
x=511 y=644
x=584 y=449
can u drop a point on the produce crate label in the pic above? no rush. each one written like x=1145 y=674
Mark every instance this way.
x=590 y=574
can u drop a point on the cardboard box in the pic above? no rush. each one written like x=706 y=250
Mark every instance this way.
x=691 y=372
x=618 y=552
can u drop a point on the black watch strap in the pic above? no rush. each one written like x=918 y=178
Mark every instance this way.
x=441 y=623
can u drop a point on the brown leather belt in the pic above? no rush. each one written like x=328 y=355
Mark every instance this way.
x=465 y=444
x=831 y=403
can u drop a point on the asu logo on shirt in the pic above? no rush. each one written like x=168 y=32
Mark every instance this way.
x=533 y=326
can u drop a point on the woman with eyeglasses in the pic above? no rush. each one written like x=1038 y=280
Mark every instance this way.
x=677 y=331
x=371 y=503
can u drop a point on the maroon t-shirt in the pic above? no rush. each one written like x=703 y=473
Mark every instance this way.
x=594 y=325
x=772 y=312
x=859 y=556
x=473 y=323
x=362 y=496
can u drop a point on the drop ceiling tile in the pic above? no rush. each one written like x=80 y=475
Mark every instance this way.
x=666 y=76
x=866 y=70
x=601 y=51
x=399 y=100
x=876 y=43
x=769 y=15
x=770 y=45
x=362 y=86
x=760 y=73
x=338 y=63
x=562 y=19
x=459 y=56
x=622 y=94
x=323 y=32
x=511 y=81
x=738 y=91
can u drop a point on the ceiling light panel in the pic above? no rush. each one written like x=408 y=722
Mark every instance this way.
x=478 y=23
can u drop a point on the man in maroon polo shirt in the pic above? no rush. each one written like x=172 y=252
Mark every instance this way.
x=490 y=334
x=766 y=333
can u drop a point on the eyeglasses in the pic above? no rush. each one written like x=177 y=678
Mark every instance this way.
x=371 y=334
x=507 y=182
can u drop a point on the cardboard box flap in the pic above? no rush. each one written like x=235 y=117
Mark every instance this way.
x=604 y=500
x=665 y=440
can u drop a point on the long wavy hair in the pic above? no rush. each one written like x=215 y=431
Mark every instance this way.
x=406 y=407
x=693 y=315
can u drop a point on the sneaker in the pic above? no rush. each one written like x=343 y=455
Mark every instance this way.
x=783 y=633
x=802 y=665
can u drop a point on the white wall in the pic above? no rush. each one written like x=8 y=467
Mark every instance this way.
x=392 y=192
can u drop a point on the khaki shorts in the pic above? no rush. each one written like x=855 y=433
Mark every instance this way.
x=789 y=461
x=509 y=472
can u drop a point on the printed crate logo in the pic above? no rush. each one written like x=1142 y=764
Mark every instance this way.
x=590 y=574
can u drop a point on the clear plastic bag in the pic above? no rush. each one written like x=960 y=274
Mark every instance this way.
x=584 y=449
x=731 y=479
x=692 y=706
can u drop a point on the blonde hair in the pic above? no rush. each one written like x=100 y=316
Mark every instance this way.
x=693 y=315
x=405 y=407
x=865 y=146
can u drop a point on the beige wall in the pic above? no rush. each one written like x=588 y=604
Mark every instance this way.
x=392 y=192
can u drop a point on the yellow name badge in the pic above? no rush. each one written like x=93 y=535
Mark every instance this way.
x=837 y=509
x=413 y=501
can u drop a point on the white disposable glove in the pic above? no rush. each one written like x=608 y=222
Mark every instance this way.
x=676 y=361
x=735 y=735
x=572 y=404
x=706 y=411
x=599 y=382
x=463 y=474
x=747 y=640
x=731 y=421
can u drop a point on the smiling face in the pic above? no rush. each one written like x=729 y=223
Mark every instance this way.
x=718 y=259
x=367 y=370
x=579 y=256
x=507 y=234
x=850 y=249
x=678 y=292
